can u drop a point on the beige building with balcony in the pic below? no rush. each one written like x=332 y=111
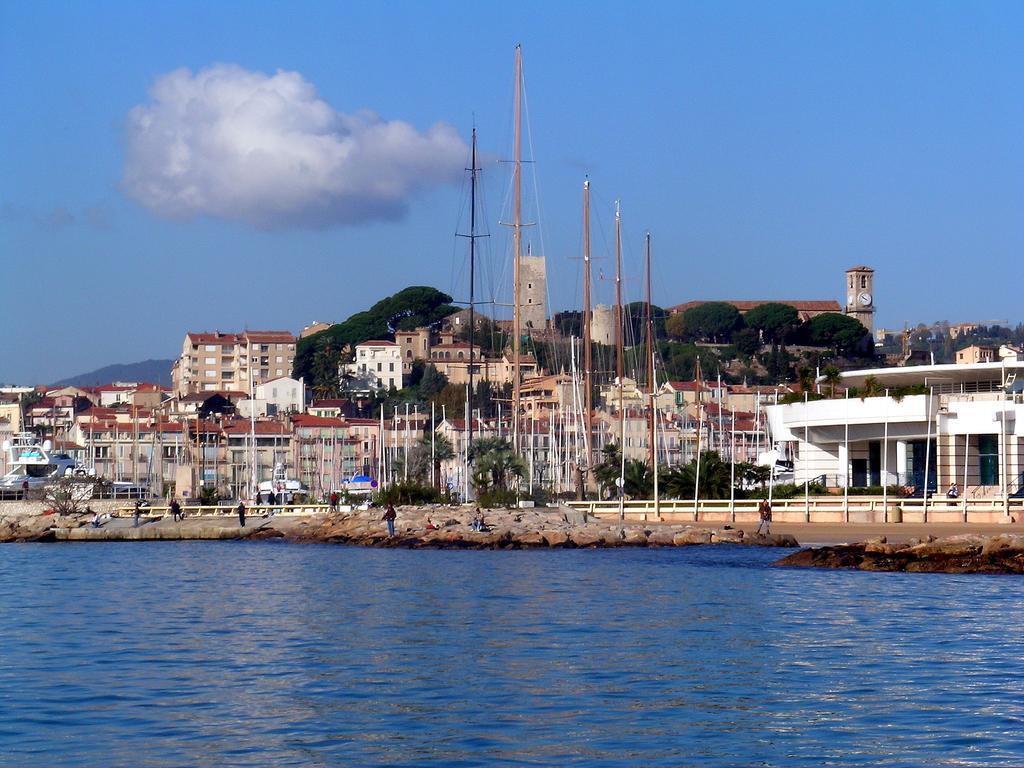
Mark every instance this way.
x=214 y=362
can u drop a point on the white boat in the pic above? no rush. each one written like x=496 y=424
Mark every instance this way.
x=284 y=488
x=35 y=465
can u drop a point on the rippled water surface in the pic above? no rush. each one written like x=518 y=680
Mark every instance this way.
x=229 y=653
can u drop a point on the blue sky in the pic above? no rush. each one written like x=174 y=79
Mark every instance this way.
x=767 y=146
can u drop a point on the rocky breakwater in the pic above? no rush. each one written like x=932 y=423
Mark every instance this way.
x=507 y=529
x=966 y=553
x=437 y=527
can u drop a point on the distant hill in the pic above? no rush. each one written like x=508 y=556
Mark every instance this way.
x=152 y=371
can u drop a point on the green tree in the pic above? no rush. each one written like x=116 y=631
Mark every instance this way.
x=774 y=320
x=840 y=333
x=606 y=472
x=713 y=321
x=414 y=307
x=634 y=321
x=569 y=323
x=747 y=342
x=495 y=465
x=833 y=377
x=432 y=383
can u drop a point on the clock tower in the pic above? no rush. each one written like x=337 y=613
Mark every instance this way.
x=860 y=296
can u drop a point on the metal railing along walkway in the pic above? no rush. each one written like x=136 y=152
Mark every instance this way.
x=815 y=509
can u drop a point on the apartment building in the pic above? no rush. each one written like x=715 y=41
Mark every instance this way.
x=213 y=362
x=378 y=365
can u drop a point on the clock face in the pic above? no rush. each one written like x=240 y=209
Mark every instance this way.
x=851 y=299
x=865 y=299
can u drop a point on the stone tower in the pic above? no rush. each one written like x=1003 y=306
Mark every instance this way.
x=860 y=296
x=533 y=291
x=602 y=325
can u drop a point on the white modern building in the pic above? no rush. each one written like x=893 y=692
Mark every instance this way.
x=378 y=364
x=281 y=395
x=967 y=427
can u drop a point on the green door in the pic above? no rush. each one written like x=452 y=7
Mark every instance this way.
x=988 y=460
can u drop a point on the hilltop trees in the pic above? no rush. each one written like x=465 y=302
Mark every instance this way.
x=713 y=321
x=317 y=357
x=841 y=333
x=774 y=320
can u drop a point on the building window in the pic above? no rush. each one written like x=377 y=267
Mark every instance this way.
x=211 y=361
x=210 y=348
x=863 y=281
x=391 y=367
x=380 y=367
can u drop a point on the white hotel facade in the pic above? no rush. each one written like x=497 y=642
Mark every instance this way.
x=969 y=429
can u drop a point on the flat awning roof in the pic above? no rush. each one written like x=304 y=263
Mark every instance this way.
x=946 y=373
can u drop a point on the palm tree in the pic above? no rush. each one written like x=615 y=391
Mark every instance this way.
x=496 y=465
x=805 y=378
x=442 y=450
x=607 y=472
x=638 y=479
x=833 y=376
x=871 y=388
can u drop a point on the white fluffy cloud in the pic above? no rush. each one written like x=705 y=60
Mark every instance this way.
x=242 y=145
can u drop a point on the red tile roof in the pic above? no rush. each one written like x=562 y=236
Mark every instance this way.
x=377 y=343
x=242 y=427
x=307 y=420
x=258 y=337
x=744 y=305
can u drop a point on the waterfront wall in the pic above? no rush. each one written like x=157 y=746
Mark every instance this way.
x=815 y=509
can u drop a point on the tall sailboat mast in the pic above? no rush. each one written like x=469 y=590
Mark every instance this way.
x=472 y=285
x=650 y=356
x=588 y=405
x=517 y=240
x=618 y=298
x=618 y=359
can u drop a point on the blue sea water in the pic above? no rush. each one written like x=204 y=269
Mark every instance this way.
x=269 y=654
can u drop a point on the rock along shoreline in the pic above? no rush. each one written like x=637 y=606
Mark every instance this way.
x=964 y=553
x=542 y=527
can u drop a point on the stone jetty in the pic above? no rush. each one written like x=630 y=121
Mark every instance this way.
x=436 y=527
x=965 y=553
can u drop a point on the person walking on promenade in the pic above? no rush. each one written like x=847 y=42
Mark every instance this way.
x=334 y=501
x=137 y=512
x=389 y=517
x=765 y=511
x=175 y=510
x=241 y=513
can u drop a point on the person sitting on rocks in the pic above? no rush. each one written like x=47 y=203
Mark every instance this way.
x=431 y=526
